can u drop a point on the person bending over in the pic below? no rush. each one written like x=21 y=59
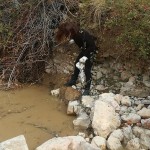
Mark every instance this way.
x=86 y=43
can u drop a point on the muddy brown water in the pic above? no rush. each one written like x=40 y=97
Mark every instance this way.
x=33 y=112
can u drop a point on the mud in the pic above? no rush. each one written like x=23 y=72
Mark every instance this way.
x=33 y=112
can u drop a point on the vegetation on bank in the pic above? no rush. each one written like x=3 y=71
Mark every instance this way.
x=125 y=25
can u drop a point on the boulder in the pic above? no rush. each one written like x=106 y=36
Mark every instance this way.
x=69 y=94
x=110 y=99
x=16 y=143
x=67 y=143
x=105 y=119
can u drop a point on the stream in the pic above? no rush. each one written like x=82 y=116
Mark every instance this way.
x=33 y=112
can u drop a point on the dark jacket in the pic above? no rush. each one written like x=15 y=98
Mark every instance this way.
x=86 y=42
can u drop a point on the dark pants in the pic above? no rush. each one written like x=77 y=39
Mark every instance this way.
x=88 y=67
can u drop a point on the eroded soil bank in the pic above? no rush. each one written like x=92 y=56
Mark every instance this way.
x=33 y=112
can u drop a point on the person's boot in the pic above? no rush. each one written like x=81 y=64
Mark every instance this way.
x=86 y=92
x=87 y=88
x=71 y=82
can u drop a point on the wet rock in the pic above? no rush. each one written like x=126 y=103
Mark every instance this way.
x=55 y=92
x=17 y=143
x=73 y=107
x=82 y=121
x=133 y=144
x=131 y=118
x=67 y=143
x=146 y=123
x=105 y=119
x=144 y=113
x=69 y=94
x=99 y=142
x=114 y=140
x=126 y=101
x=127 y=134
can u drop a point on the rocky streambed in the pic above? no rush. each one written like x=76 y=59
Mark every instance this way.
x=116 y=114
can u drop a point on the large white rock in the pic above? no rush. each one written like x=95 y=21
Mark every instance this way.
x=105 y=119
x=16 y=143
x=110 y=99
x=67 y=143
x=99 y=142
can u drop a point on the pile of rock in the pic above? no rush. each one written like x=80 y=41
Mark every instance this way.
x=119 y=121
x=115 y=121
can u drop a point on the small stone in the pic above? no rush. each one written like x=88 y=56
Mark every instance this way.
x=131 y=118
x=125 y=75
x=145 y=141
x=126 y=101
x=144 y=113
x=82 y=121
x=81 y=134
x=146 y=123
x=99 y=142
x=146 y=102
x=128 y=135
x=139 y=107
x=133 y=144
